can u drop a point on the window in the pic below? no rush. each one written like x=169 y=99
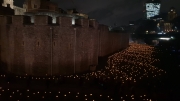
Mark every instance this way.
x=38 y=43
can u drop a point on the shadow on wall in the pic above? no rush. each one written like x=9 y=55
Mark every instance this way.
x=3 y=67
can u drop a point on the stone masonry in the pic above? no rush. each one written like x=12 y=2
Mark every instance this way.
x=42 y=48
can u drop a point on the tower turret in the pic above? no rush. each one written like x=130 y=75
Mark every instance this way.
x=6 y=3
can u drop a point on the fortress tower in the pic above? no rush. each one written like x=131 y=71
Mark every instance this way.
x=40 y=5
x=46 y=46
x=7 y=2
x=10 y=3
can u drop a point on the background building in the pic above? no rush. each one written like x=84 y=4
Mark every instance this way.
x=152 y=8
x=172 y=14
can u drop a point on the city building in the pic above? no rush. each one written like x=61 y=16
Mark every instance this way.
x=165 y=22
x=152 y=8
x=172 y=14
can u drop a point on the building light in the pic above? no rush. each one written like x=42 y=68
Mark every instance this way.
x=73 y=21
x=165 y=39
x=172 y=37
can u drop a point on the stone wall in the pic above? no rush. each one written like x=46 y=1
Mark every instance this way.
x=41 y=47
x=19 y=10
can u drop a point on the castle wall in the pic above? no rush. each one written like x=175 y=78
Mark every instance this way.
x=104 y=44
x=110 y=42
x=45 y=48
x=63 y=50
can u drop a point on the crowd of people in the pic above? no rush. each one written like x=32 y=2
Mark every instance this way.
x=131 y=74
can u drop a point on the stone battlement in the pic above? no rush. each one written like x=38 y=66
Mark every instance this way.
x=46 y=20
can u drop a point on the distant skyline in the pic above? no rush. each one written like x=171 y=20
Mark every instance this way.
x=109 y=12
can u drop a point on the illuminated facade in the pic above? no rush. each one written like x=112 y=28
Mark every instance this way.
x=76 y=15
x=172 y=14
x=10 y=3
x=152 y=8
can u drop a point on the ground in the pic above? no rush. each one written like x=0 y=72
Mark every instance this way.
x=138 y=73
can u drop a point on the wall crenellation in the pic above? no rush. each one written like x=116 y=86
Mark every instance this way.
x=41 y=47
x=47 y=20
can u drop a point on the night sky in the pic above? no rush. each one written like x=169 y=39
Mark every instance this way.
x=109 y=12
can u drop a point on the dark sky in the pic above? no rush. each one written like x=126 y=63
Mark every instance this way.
x=111 y=11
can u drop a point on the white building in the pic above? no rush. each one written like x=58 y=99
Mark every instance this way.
x=152 y=8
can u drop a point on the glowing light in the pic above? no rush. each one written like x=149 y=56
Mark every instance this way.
x=73 y=21
x=165 y=39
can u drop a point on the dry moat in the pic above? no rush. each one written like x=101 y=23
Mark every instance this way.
x=134 y=74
